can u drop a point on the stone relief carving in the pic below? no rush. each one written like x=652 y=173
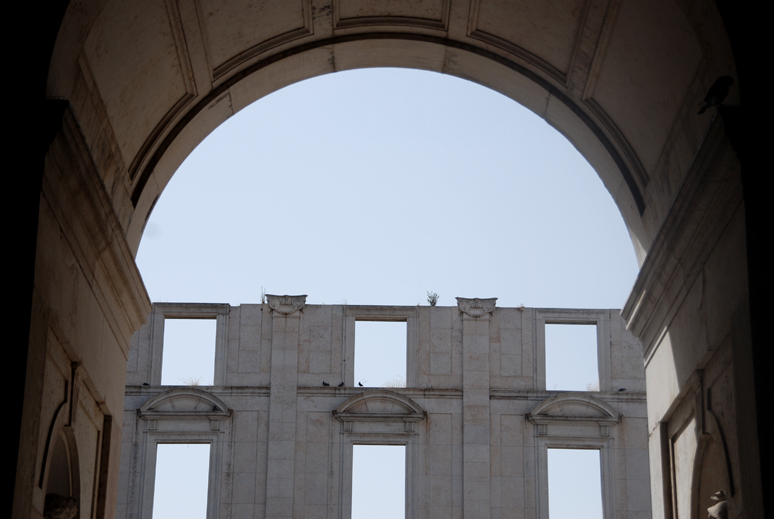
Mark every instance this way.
x=476 y=307
x=720 y=509
x=286 y=304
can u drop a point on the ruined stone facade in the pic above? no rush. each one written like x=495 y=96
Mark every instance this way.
x=475 y=417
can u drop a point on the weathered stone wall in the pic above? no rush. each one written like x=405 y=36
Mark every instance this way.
x=475 y=416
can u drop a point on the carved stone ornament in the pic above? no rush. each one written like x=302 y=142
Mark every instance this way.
x=286 y=305
x=476 y=307
x=719 y=510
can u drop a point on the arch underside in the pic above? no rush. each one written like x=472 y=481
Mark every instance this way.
x=620 y=80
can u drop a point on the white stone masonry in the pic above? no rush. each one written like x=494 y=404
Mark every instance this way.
x=475 y=418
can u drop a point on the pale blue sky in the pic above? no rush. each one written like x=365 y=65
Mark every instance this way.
x=375 y=186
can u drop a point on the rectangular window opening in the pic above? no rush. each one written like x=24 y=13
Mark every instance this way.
x=182 y=480
x=380 y=353
x=188 y=357
x=572 y=362
x=574 y=484
x=379 y=482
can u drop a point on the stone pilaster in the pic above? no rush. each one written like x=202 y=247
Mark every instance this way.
x=286 y=316
x=475 y=406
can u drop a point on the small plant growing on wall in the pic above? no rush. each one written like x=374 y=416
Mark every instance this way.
x=432 y=298
x=398 y=381
x=192 y=381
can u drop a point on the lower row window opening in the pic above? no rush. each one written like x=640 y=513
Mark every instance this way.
x=182 y=481
x=574 y=484
x=379 y=482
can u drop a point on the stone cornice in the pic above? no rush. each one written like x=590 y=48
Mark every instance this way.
x=703 y=206
x=78 y=198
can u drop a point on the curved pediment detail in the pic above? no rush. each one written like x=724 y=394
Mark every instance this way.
x=184 y=401
x=574 y=407
x=379 y=405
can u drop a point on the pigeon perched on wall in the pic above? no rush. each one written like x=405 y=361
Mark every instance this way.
x=717 y=93
x=325 y=383
x=341 y=385
x=360 y=384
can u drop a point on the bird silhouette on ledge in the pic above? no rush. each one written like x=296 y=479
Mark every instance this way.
x=325 y=383
x=341 y=385
x=717 y=93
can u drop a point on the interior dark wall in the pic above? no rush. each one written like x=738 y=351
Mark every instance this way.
x=745 y=41
x=34 y=124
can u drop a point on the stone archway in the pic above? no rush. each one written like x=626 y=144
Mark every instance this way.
x=622 y=80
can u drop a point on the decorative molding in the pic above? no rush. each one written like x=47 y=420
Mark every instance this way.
x=589 y=35
x=186 y=72
x=275 y=41
x=411 y=21
x=110 y=141
x=81 y=205
x=476 y=307
x=574 y=421
x=228 y=391
x=58 y=421
x=620 y=139
x=723 y=443
x=184 y=402
x=286 y=305
x=510 y=47
x=180 y=415
x=379 y=405
x=519 y=51
x=626 y=397
x=705 y=202
x=378 y=417
x=575 y=408
x=539 y=80
x=634 y=165
x=436 y=393
x=601 y=43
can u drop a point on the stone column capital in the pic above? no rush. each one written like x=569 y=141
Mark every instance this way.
x=286 y=305
x=476 y=307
